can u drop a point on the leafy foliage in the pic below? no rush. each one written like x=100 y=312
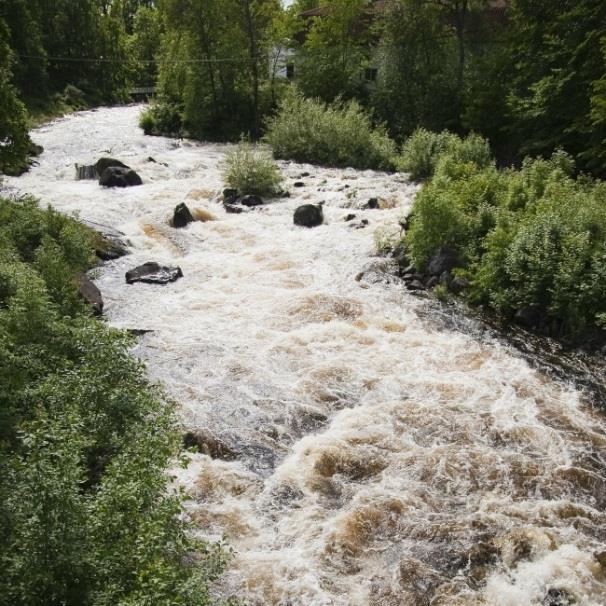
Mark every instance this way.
x=251 y=170
x=87 y=514
x=425 y=153
x=533 y=238
x=339 y=134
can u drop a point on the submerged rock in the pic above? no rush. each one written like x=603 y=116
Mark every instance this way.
x=232 y=209
x=153 y=273
x=372 y=204
x=115 y=176
x=91 y=294
x=250 y=200
x=182 y=216
x=309 y=215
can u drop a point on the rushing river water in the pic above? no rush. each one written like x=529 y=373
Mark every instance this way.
x=374 y=456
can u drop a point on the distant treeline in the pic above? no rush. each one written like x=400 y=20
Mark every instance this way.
x=530 y=75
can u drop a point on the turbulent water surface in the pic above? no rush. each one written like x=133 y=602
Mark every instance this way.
x=370 y=456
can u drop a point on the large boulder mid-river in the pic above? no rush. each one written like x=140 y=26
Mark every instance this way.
x=115 y=176
x=309 y=215
x=182 y=216
x=153 y=273
x=104 y=163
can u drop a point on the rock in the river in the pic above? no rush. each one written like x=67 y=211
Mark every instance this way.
x=114 y=176
x=104 y=163
x=153 y=273
x=349 y=217
x=250 y=200
x=444 y=259
x=309 y=215
x=372 y=204
x=529 y=317
x=298 y=184
x=182 y=216
x=208 y=444
x=458 y=285
x=109 y=243
x=558 y=597
x=91 y=294
x=232 y=209
x=230 y=195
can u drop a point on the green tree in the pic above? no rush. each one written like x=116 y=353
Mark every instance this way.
x=14 y=138
x=335 y=51
x=558 y=55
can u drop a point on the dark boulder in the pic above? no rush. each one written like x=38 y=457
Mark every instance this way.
x=405 y=222
x=304 y=174
x=182 y=216
x=250 y=200
x=372 y=204
x=109 y=250
x=230 y=208
x=349 y=217
x=528 y=317
x=34 y=149
x=115 y=176
x=298 y=184
x=415 y=285
x=309 y=215
x=230 y=195
x=109 y=243
x=432 y=282
x=458 y=285
x=444 y=259
x=153 y=273
x=105 y=163
x=205 y=442
x=91 y=294
x=445 y=279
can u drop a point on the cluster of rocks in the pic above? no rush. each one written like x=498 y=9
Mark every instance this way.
x=439 y=271
x=110 y=173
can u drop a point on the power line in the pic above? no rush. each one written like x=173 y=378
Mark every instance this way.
x=148 y=61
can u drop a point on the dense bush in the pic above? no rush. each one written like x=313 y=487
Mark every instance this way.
x=423 y=151
x=339 y=134
x=251 y=170
x=85 y=441
x=161 y=118
x=528 y=239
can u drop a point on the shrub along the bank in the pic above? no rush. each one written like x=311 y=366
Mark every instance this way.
x=339 y=134
x=532 y=239
x=423 y=150
x=87 y=516
x=250 y=169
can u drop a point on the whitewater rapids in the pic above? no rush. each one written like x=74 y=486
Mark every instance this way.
x=377 y=458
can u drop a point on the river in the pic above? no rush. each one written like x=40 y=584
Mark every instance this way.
x=376 y=457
